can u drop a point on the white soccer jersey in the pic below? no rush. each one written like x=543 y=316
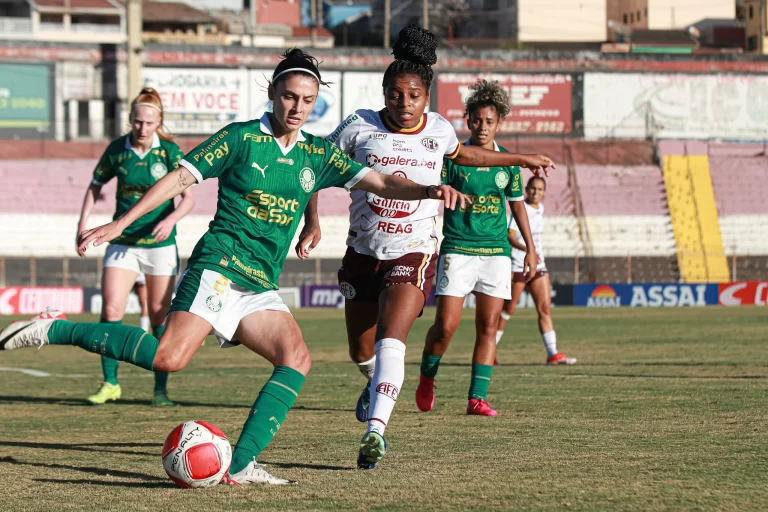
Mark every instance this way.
x=536 y=221
x=387 y=228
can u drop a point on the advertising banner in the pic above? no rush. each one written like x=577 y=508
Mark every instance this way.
x=200 y=101
x=30 y=300
x=25 y=96
x=743 y=293
x=686 y=106
x=541 y=103
x=644 y=295
x=326 y=115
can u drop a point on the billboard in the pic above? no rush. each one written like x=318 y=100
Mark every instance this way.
x=743 y=293
x=689 y=106
x=326 y=115
x=25 y=97
x=644 y=295
x=200 y=101
x=31 y=300
x=541 y=103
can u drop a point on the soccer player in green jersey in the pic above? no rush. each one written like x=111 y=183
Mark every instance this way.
x=267 y=170
x=138 y=160
x=475 y=255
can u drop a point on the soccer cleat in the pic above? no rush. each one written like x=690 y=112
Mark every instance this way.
x=560 y=358
x=50 y=314
x=425 y=393
x=254 y=473
x=106 y=393
x=361 y=411
x=161 y=400
x=25 y=333
x=479 y=407
x=372 y=449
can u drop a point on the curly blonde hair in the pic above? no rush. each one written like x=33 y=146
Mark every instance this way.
x=488 y=94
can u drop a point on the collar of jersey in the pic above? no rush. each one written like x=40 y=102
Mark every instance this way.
x=266 y=127
x=495 y=146
x=155 y=144
x=392 y=127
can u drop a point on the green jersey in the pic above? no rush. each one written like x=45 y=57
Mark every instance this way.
x=135 y=174
x=263 y=190
x=480 y=228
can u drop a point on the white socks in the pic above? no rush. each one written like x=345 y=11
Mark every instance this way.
x=386 y=383
x=550 y=342
x=499 y=334
x=144 y=323
x=367 y=367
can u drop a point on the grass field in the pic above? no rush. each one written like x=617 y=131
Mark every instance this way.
x=665 y=410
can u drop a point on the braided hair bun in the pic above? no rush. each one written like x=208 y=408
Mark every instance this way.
x=416 y=45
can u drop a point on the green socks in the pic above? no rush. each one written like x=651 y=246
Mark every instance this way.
x=108 y=365
x=268 y=413
x=429 y=365
x=122 y=342
x=161 y=378
x=481 y=378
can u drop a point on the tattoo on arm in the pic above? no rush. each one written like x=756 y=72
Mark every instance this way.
x=182 y=180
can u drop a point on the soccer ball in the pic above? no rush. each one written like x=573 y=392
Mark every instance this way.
x=196 y=454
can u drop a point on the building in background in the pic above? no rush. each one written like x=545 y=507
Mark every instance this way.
x=756 y=26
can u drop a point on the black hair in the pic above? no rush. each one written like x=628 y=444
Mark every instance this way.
x=415 y=52
x=488 y=94
x=297 y=58
x=531 y=180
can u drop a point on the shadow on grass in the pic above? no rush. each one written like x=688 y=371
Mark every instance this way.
x=83 y=403
x=141 y=485
x=85 y=469
x=297 y=465
x=89 y=447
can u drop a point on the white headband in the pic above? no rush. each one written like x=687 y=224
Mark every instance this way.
x=289 y=70
x=149 y=105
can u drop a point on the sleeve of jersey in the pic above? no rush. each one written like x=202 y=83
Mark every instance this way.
x=514 y=191
x=453 y=147
x=214 y=156
x=175 y=157
x=345 y=135
x=447 y=175
x=338 y=169
x=104 y=170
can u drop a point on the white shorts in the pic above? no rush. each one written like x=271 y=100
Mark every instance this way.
x=458 y=275
x=153 y=261
x=141 y=280
x=222 y=303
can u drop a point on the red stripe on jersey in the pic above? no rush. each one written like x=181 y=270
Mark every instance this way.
x=392 y=127
x=455 y=153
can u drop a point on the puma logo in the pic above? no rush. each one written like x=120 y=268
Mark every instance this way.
x=261 y=169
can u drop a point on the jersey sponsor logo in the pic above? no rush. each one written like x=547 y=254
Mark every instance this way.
x=491 y=203
x=502 y=179
x=401 y=271
x=286 y=161
x=210 y=145
x=258 y=139
x=604 y=296
x=347 y=290
x=217 y=154
x=388 y=389
x=401 y=146
x=391 y=208
x=340 y=161
x=311 y=148
x=158 y=170
x=393 y=228
x=159 y=153
x=335 y=135
x=133 y=191
x=271 y=208
x=377 y=136
x=307 y=179
x=516 y=182
x=213 y=303
x=430 y=144
x=260 y=169
x=483 y=169
x=383 y=161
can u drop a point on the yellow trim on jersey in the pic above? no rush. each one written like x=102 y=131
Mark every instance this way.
x=424 y=262
x=455 y=153
x=391 y=126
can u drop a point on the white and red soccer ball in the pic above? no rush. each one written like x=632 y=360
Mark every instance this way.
x=196 y=454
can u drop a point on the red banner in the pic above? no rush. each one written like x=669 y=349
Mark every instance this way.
x=743 y=293
x=541 y=104
x=30 y=300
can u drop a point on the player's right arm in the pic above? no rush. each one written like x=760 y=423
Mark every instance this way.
x=310 y=234
x=520 y=216
x=89 y=201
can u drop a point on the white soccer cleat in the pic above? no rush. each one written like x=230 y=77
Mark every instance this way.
x=254 y=473
x=25 y=333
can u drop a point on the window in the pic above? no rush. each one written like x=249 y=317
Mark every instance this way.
x=631 y=17
x=625 y=19
x=751 y=12
x=752 y=43
x=638 y=15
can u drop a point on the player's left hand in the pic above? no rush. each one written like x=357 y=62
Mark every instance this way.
x=530 y=264
x=308 y=240
x=98 y=236
x=539 y=165
x=449 y=195
x=163 y=229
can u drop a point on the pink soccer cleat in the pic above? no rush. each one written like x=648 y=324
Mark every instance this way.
x=560 y=358
x=50 y=314
x=425 y=393
x=478 y=407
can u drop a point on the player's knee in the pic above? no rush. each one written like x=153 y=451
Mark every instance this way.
x=544 y=309
x=157 y=312
x=168 y=362
x=487 y=327
x=112 y=312
x=298 y=358
x=444 y=328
